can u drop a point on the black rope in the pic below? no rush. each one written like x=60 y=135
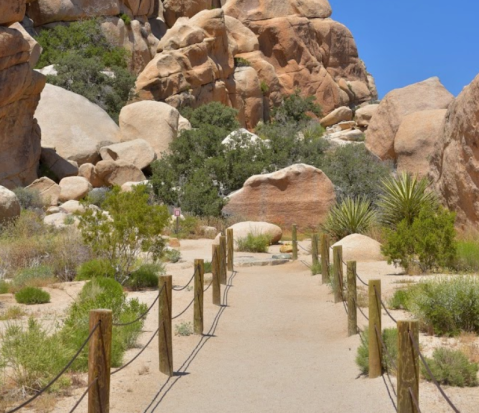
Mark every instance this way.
x=383 y=344
x=58 y=375
x=137 y=355
x=206 y=289
x=184 y=311
x=189 y=282
x=297 y=243
x=413 y=397
x=382 y=304
x=142 y=315
x=306 y=264
x=416 y=347
x=360 y=309
x=83 y=395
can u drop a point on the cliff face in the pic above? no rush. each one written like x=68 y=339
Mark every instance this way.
x=20 y=89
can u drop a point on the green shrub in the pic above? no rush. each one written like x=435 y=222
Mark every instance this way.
x=132 y=227
x=390 y=339
x=451 y=367
x=351 y=216
x=428 y=241
x=400 y=300
x=446 y=305
x=29 y=198
x=294 y=108
x=4 y=287
x=145 y=277
x=467 y=258
x=33 y=276
x=264 y=88
x=241 y=62
x=171 y=255
x=126 y=19
x=254 y=243
x=12 y=313
x=208 y=267
x=32 y=295
x=184 y=329
x=316 y=268
x=98 y=267
x=97 y=196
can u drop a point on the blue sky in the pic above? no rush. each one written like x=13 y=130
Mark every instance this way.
x=406 y=41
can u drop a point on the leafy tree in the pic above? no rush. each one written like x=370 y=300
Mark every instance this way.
x=294 y=108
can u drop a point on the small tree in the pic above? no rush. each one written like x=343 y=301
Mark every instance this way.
x=131 y=226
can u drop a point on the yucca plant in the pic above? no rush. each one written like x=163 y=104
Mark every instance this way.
x=403 y=198
x=351 y=216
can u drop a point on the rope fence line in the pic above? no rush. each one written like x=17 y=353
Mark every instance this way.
x=184 y=311
x=83 y=395
x=361 y=310
x=187 y=284
x=40 y=392
x=414 y=400
x=384 y=306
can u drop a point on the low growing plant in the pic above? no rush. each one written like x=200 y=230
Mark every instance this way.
x=390 y=339
x=184 y=329
x=254 y=243
x=146 y=276
x=12 y=313
x=32 y=295
x=4 y=287
x=98 y=267
x=29 y=198
x=171 y=255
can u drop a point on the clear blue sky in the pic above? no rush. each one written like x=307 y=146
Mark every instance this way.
x=406 y=41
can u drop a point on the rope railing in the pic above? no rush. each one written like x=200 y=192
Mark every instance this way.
x=184 y=311
x=414 y=400
x=142 y=315
x=431 y=375
x=175 y=288
x=384 y=306
x=83 y=395
x=360 y=309
x=40 y=392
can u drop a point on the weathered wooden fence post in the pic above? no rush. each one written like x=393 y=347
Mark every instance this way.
x=223 y=259
x=215 y=270
x=314 y=250
x=375 y=350
x=165 y=337
x=408 y=367
x=337 y=280
x=352 y=298
x=324 y=258
x=295 y=242
x=230 y=241
x=199 y=292
x=99 y=361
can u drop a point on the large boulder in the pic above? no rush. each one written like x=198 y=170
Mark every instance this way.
x=175 y=9
x=74 y=188
x=12 y=11
x=363 y=115
x=9 y=205
x=426 y=95
x=49 y=190
x=417 y=140
x=60 y=167
x=87 y=171
x=457 y=163
x=118 y=172
x=358 y=247
x=242 y=229
x=341 y=114
x=74 y=126
x=299 y=194
x=137 y=152
x=154 y=122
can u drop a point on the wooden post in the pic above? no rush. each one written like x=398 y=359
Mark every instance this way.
x=324 y=258
x=375 y=350
x=408 y=366
x=314 y=250
x=165 y=337
x=99 y=361
x=199 y=292
x=295 y=242
x=230 y=241
x=337 y=280
x=215 y=270
x=352 y=298
x=223 y=259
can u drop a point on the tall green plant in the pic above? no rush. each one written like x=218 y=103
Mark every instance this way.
x=351 y=216
x=403 y=198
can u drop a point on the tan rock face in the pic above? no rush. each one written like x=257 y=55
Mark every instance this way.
x=417 y=140
x=174 y=9
x=358 y=247
x=9 y=205
x=242 y=229
x=19 y=94
x=363 y=115
x=299 y=194
x=137 y=152
x=74 y=126
x=49 y=190
x=426 y=95
x=87 y=171
x=341 y=114
x=118 y=173
x=74 y=188
x=458 y=163
x=12 y=11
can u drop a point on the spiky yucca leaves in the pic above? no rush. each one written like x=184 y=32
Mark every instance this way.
x=351 y=216
x=403 y=198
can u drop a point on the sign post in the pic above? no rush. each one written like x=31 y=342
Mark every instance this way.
x=177 y=214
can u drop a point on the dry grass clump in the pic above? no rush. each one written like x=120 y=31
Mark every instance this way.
x=469 y=345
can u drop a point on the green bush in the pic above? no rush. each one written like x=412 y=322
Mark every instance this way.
x=146 y=276
x=390 y=339
x=294 y=108
x=316 y=268
x=241 y=62
x=428 y=241
x=33 y=276
x=467 y=258
x=4 y=287
x=171 y=255
x=264 y=88
x=184 y=329
x=208 y=267
x=451 y=367
x=29 y=198
x=351 y=216
x=400 y=299
x=32 y=295
x=133 y=226
x=446 y=305
x=98 y=267
x=254 y=243
x=97 y=196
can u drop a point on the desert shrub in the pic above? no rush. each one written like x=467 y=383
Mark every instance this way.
x=253 y=243
x=451 y=367
x=241 y=62
x=355 y=172
x=97 y=267
x=32 y=295
x=316 y=268
x=264 y=87
x=429 y=240
x=184 y=329
x=390 y=339
x=400 y=300
x=446 y=305
x=125 y=18
x=146 y=276
x=351 y=216
x=133 y=226
x=34 y=276
x=294 y=108
x=208 y=267
x=97 y=196
x=4 y=287
x=467 y=258
x=171 y=255
x=29 y=198
x=12 y=313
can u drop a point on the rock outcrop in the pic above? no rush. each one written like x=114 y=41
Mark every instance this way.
x=9 y=205
x=75 y=127
x=242 y=229
x=19 y=94
x=299 y=194
x=137 y=152
x=427 y=95
x=49 y=190
x=74 y=188
x=358 y=247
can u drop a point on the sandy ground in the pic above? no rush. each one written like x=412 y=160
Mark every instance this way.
x=279 y=344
